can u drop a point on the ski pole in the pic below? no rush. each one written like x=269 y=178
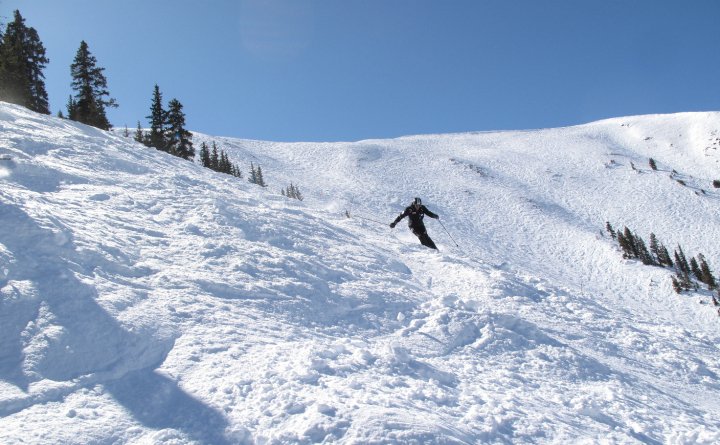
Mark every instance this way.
x=446 y=231
x=347 y=213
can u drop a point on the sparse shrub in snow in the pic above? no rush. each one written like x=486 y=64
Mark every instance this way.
x=293 y=192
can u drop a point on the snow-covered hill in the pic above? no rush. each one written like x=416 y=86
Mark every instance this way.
x=148 y=300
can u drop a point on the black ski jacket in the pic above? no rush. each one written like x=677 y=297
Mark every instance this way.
x=416 y=216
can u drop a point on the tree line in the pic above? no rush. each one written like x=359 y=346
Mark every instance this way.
x=689 y=274
x=22 y=82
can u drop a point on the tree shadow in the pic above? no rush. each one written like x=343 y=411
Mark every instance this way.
x=157 y=402
x=52 y=328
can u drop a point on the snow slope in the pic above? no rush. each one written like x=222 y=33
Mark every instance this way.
x=147 y=300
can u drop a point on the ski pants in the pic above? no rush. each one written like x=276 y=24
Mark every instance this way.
x=422 y=235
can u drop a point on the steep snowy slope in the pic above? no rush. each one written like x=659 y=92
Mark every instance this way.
x=148 y=300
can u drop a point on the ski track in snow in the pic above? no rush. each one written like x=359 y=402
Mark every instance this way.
x=147 y=300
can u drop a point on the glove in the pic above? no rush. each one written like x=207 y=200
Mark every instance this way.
x=392 y=225
x=437 y=217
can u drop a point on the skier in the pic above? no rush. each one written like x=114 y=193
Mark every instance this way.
x=416 y=211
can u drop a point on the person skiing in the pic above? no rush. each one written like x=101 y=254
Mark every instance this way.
x=416 y=212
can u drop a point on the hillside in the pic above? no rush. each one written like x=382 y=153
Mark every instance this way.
x=148 y=300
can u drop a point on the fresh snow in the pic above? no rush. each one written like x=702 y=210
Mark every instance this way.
x=147 y=300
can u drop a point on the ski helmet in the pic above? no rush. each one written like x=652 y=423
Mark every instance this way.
x=417 y=202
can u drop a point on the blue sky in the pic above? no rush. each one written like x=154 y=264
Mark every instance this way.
x=331 y=70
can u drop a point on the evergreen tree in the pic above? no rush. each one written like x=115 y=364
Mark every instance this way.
x=610 y=229
x=22 y=60
x=642 y=251
x=293 y=192
x=215 y=158
x=90 y=86
x=655 y=247
x=205 y=155
x=653 y=164
x=157 y=118
x=706 y=275
x=664 y=256
x=224 y=166
x=71 y=108
x=676 y=285
x=681 y=262
x=683 y=269
x=622 y=242
x=628 y=244
x=139 y=134
x=178 y=139
x=260 y=179
x=695 y=268
x=253 y=179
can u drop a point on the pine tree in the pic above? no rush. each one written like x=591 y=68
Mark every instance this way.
x=610 y=229
x=655 y=248
x=253 y=179
x=178 y=139
x=90 y=86
x=157 y=118
x=628 y=244
x=260 y=179
x=22 y=60
x=652 y=163
x=630 y=239
x=642 y=251
x=139 y=134
x=224 y=163
x=622 y=242
x=695 y=268
x=205 y=155
x=683 y=269
x=664 y=256
x=215 y=158
x=294 y=192
x=706 y=275
x=676 y=285
x=70 y=107
x=681 y=262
